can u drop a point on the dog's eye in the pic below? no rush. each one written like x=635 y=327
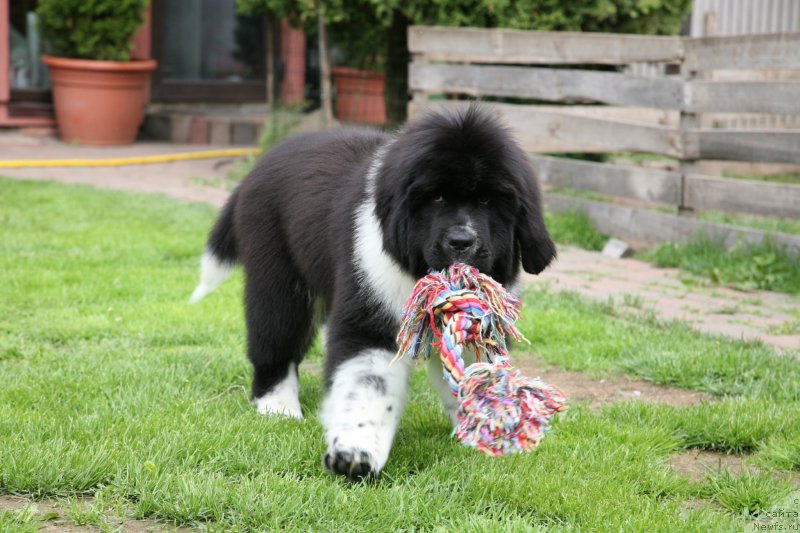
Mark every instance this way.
x=439 y=199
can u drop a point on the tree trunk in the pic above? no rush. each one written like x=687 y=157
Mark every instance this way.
x=324 y=70
x=269 y=37
x=397 y=59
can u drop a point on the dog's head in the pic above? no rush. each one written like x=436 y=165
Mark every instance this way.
x=456 y=187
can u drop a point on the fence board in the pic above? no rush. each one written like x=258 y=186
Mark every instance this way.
x=629 y=182
x=765 y=146
x=480 y=45
x=736 y=52
x=646 y=123
x=547 y=84
x=531 y=123
x=743 y=196
x=644 y=225
x=743 y=96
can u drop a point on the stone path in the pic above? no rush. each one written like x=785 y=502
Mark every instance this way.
x=181 y=180
x=771 y=317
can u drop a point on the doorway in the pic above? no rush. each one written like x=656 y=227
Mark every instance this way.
x=207 y=52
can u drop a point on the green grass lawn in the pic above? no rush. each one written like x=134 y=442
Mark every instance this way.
x=114 y=388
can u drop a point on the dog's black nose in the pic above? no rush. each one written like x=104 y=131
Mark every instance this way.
x=461 y=239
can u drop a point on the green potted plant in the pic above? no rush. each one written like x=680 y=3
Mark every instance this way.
x=98 y=91
x=355 y=37
x=357 y=71
x=358 y=77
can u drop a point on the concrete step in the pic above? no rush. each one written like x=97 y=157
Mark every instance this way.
x=194 y=128
x=238 y=125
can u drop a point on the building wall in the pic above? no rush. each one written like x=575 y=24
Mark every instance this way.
x=733 y=17
x=747 y=16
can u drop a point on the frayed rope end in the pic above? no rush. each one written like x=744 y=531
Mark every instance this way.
x=500 y=410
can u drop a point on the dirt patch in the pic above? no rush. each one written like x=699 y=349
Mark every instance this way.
x=612 y=387
x=50 y=516
x=697 y=464
x=53 y=518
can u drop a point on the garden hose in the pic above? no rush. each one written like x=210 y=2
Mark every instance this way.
x=122 y=161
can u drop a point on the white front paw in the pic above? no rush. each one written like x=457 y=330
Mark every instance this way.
x=361 y=411
x=351 y=455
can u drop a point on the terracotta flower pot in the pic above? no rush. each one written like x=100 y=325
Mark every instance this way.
x=99 y=102
x=360 y=95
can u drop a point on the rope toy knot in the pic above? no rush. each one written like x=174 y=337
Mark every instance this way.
x=500 y=410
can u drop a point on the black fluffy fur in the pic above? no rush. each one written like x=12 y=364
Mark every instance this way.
x=291 y=223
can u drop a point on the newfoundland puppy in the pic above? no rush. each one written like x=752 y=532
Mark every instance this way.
x=344 y=222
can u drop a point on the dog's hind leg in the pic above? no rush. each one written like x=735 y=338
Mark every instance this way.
x=279 y=315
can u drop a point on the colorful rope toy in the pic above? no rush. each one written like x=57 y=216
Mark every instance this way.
x=500 y=411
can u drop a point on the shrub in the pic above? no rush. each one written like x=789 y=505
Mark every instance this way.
x=91 y=29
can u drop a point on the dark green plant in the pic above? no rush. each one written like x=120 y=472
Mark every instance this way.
x=91 y=29
x=618 y=16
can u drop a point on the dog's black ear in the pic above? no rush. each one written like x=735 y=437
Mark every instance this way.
x=394 y=221
x=536 y=247
x=391 y=207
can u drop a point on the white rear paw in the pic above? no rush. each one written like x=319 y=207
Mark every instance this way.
x=267 y=405
x=283 y=399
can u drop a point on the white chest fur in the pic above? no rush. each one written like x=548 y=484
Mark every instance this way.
x=378 y=272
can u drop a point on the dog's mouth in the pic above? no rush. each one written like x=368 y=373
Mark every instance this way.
x=479 y=259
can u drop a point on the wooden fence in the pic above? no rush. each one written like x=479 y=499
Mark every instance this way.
x=605 y=110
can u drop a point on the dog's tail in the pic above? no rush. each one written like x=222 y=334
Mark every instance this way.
x=220 y=254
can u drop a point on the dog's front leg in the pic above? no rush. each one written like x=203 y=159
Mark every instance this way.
x=436 y=378
x=361 y=411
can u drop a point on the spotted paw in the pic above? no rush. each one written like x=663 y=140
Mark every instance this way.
x=353 y=464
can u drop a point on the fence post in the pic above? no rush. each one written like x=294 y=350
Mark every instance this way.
x=709 y=30
x=688 y=121
x=418 y=98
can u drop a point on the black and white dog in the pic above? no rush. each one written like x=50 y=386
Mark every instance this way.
x=351 y=219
